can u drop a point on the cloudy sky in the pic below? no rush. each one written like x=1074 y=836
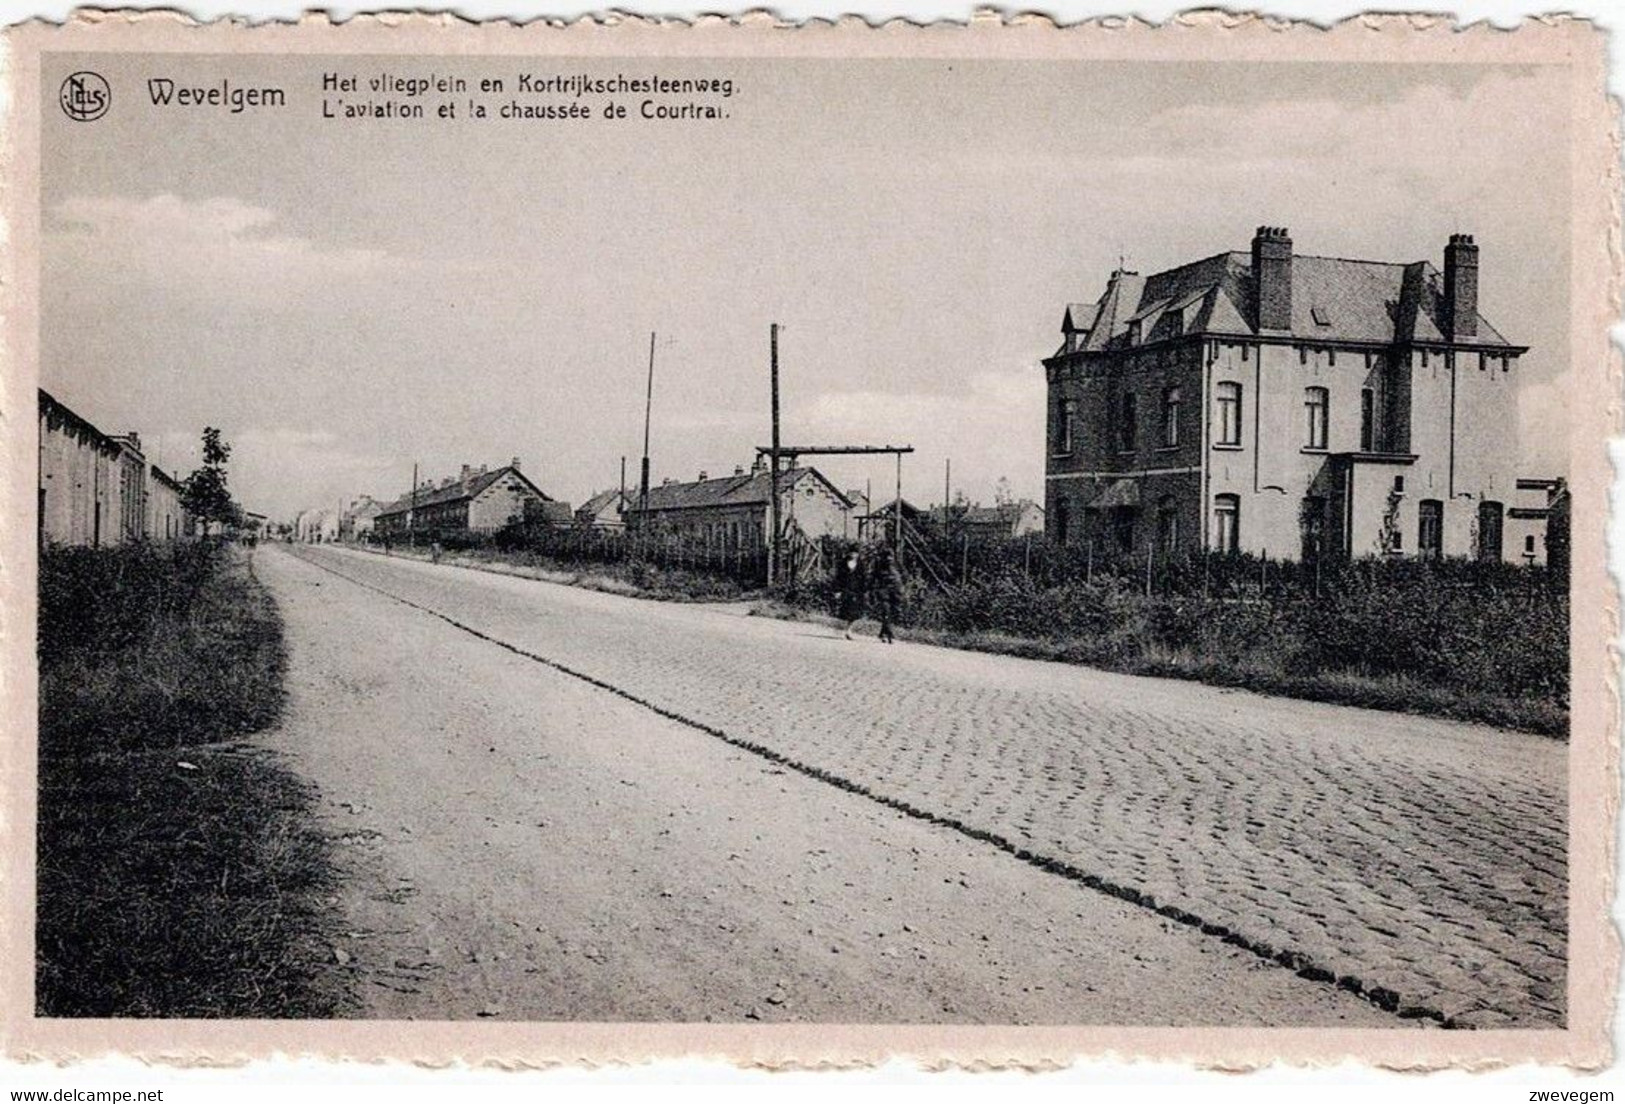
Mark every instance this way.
x=346 y=299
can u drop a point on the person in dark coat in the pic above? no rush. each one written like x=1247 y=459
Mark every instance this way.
x=849 y=590
x=886 y=588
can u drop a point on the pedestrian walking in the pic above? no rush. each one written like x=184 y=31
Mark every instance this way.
x=434 y=552
x=849 y=590
x=886 y=587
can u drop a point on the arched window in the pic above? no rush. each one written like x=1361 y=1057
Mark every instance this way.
x=1227 y=422
x=1312 y=527
x=1170 y=417
x=1430 y=529
x=1490 y=531
x=1226 y=523
x=1128 y=425
x=1066 y=426
x=1315 y=402
x=1167 y=525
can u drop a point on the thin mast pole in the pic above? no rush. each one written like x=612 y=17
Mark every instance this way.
x=773 y=467
x=412 y=512
x=648 y=408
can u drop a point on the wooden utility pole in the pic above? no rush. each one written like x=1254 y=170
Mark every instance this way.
x=947 y=486
x=773 y=463
x=412 y=511
x=897 y=528
x=648 y=408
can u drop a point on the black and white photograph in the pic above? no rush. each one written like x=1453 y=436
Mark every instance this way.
x=882 y=528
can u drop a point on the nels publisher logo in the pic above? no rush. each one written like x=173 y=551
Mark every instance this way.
x=85 y=96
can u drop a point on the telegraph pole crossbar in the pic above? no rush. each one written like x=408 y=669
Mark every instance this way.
x=793 y=452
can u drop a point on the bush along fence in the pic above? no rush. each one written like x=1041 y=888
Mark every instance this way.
x=565 y=547
x=1478 y=641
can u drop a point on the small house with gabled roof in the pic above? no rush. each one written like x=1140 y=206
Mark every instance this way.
x=604 y=511
x=732 y=513
x=476 y=501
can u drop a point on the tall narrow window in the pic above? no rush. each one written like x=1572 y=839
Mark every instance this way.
x=1063 y=515
x=1430 y=529
x=1368 y=416
x=1066 y=426
x=1226 y=522
x=1312 y=522
x=1489 y=532
x=1228 y=428
x=1170 y=417
x=1128 y=427
x=1314 y=407
x=1122 y=522
x=1167 y=525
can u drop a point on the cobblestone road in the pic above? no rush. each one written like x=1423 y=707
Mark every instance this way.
x=1421 y=857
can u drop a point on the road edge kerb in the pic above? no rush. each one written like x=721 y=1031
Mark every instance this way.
x=1299 y=963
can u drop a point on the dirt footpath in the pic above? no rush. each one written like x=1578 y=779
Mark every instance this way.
x=521 y=845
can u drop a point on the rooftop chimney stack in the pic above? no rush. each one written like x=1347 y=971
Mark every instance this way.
x=1461 y=287
x=1272 y=270
x=514 y=463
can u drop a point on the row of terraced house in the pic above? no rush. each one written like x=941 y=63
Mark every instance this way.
x=98 y=489
x=728 y=513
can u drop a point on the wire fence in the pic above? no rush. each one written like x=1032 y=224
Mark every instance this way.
x=947 y=561
x=1209 y=574
x=1472 y=628
x=741 y=562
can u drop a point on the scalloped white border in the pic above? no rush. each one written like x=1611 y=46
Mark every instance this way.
x=1392 y=36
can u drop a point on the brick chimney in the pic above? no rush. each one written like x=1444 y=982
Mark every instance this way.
x=1461 y=287
x=514 y=463
x=1272 y=270
x=704 y=475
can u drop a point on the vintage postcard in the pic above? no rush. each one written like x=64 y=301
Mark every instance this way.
x=991 y=543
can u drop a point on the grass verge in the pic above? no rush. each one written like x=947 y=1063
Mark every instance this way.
x=180 y=872
x=1369 y=650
